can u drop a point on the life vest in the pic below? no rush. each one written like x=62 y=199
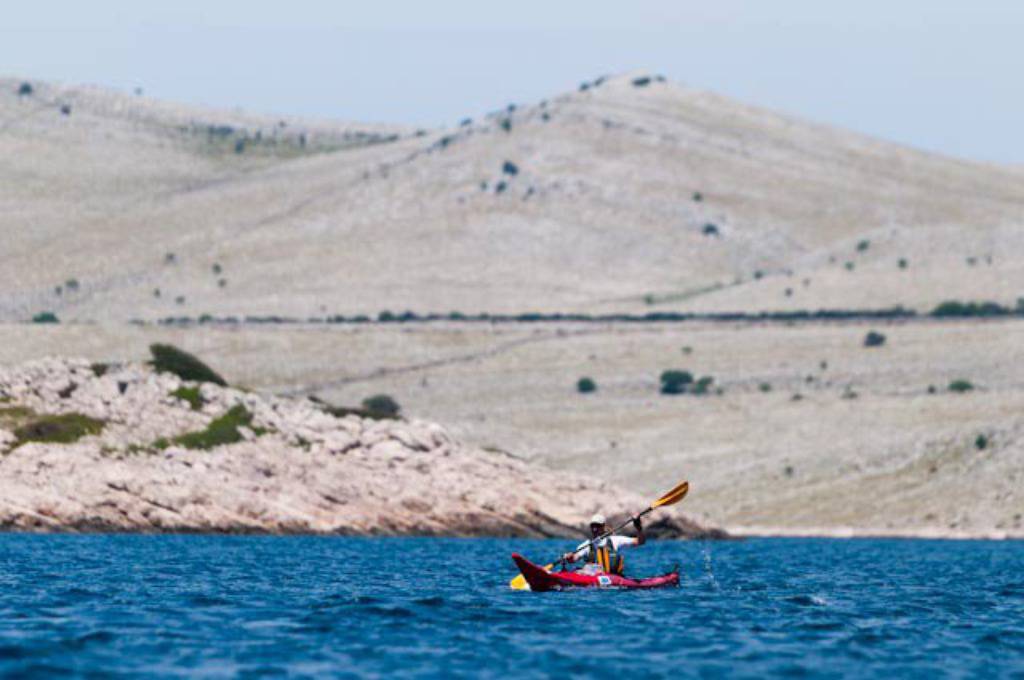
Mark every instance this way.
x=606 y=557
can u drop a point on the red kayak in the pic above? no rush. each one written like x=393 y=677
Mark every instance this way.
x=541 y=580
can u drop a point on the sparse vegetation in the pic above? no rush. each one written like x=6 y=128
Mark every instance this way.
x=874 y=339
x=220 y=431
x=903 y=263
x=509 y=168
x=65 y=109
x=170 y=359
x=72 y=285
x=698 y=197
x=381 y=406
x=99 y=369
x=710 y=230
x=642 y=81
x=702 y=385
x=65 y=428
x=765 y=387
x=25 y=89
x=586 y=385
x=849 y=266
x=500 y=187
x=675 y=381
x=190 y=395
x=862 y=246
x=955 y=308
x=960 y=386
x=981 y=442
x=45 y=317
x=216 y=268
x=506 y=124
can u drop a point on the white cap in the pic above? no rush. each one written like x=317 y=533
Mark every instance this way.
x=598 y=518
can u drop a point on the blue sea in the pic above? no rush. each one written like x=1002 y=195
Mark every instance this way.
x=216 y=606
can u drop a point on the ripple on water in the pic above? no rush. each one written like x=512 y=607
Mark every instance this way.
x=333 y=606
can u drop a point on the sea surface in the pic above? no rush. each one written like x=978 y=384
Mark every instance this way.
x=221 y=606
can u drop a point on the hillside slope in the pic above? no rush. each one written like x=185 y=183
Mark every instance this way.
x=633 y=194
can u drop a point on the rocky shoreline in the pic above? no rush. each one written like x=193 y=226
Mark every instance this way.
x=123 y=448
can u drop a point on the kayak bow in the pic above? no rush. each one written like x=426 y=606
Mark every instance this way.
x=541 y=580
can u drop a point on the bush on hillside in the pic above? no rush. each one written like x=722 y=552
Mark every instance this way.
x=58 y=429
x=220 y=431
x=874 y=339
x=703 y=385
x=960 y=386
x=955 y=308
x=863 y=245
x=586 y=385
x=381 y=406
x=710 y=230
x=25 y=89
x=45 y=317
x=191 y=395
x=510 y=168
x=170 y=359
x=675 y=381
x=981 y=442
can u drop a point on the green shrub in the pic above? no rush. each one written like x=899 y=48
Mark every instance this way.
x=191 y=395
x=960 y=386
x=903 y=263
x=675 y=382
x=381 y=406
x=955 y=308
x=223 y=430
x=25 y=89
x=58 y=429
x=874 y=339
x=863 y=245
x=586 y=385
x=698 y=196
x=99 y=369
x=170 y=359
x=981 y=442
x=702 y=385
x=45 y=317
x=765 y=387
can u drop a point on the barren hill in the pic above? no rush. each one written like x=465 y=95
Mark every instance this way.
x=629 y=194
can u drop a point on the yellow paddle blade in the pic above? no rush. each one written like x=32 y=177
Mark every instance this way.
x=519 y=582
x=673 y=496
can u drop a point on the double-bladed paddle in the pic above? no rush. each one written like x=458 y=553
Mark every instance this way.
x=669 y=498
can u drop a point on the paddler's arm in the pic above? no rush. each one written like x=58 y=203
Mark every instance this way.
x=641 y=538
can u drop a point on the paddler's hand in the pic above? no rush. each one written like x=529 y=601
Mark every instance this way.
x=569 y=557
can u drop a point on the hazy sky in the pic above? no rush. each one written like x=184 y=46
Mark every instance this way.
x=935 y=74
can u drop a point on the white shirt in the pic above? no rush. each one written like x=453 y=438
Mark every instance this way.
x=618 y=542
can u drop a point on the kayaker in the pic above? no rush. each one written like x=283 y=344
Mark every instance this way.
x=604 y=555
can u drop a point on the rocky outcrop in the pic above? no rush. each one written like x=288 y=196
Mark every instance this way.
x=294 y=469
